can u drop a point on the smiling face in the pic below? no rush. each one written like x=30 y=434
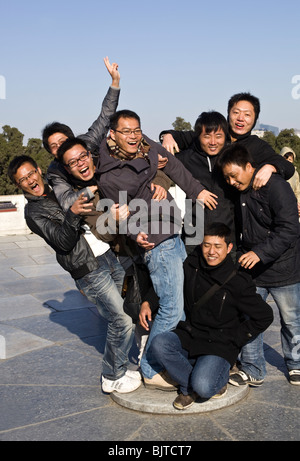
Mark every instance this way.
x=126 y=136
x=29 y=179
x=238 y=176
x=215 y=249
x=242 y=117
x=79 y=163
x=211 y=143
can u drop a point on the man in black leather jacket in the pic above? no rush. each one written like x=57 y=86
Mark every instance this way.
x=95 y=269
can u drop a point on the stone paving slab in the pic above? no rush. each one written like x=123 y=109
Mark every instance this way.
x=33 y=285
x=19 y=342
x=62 y=300
x=50 y=381
x=21 y=306
x=62 y=326
x=39 y=271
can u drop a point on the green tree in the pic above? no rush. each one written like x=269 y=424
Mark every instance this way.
x=36 y=150
x=181 y=125
x=287 y=137
x=270 y=138
x=11 y=145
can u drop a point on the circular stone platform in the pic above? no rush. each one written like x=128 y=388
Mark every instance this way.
x=161 y=402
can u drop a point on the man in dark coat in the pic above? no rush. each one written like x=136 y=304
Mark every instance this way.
x=217 y=328
x=270 y=245
x=200 y=159
x=242 y=114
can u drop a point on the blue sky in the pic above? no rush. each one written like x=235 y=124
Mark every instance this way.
x=176 y=58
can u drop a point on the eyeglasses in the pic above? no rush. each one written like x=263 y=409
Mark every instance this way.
x=128 y=132
x=82 y=157
x=25 y=178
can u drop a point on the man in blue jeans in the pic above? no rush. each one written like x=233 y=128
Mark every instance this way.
x=223 y=311
x=127 y=164
x=89 y=260
x=268 y=224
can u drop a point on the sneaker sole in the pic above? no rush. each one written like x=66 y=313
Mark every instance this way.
x=182 y=408
x=120 y=391
x=244 y=383
x=295 y=383
x=219 y=396
x=160 y=388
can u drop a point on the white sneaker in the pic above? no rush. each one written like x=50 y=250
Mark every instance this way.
x=134 y=374
x=122 y=385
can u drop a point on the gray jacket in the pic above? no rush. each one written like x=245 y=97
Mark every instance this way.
x=124 y=181
x=57 y=175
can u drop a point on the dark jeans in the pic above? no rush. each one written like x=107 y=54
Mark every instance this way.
x=205 y=375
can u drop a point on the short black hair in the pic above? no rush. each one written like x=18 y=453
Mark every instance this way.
x=211 y=122
x=245 y=97
x=219 y=229
x=68 y=144
x=235 y=154
x=114 y=119
x=55 y=127
x=16 y=163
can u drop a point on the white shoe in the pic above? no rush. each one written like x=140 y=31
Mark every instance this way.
x=122 y=385
x=134 y=374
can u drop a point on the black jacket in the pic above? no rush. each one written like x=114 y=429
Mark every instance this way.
x=229 y=319
x=204 y=168
x=269 y=225
x=62 y=231
x=261 y=152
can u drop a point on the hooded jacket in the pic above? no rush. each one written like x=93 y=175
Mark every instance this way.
x=294 y=180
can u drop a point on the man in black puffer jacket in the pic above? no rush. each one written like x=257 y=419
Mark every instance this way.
x=270 y=245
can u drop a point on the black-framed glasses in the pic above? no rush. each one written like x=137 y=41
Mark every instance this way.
x=82 y=157
x=128 y=132
x=25 y=178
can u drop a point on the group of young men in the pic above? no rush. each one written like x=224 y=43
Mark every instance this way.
x=106 y=204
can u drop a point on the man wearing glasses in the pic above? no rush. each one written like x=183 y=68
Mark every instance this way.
x=127 y=163
x=56 y=133
x=89 y=260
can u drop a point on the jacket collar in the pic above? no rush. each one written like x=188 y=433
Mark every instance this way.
x=218 y=273
x=107 y=162
x=48 y=193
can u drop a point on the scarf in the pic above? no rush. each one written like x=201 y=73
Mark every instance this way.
x=116 y=151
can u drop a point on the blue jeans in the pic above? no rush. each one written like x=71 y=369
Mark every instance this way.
x=103 y=288
x=205 y=375
x=287 y=299
x=165 y=264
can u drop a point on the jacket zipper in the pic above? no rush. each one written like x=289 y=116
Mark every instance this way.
x=222 y=304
